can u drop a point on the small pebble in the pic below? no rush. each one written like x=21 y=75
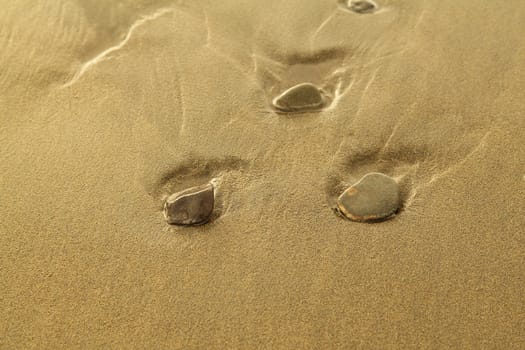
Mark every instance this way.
x=359 y=6
x=373 y=198
x=301 y=97
x=192 y=206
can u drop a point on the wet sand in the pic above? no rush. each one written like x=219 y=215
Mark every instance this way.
x=107 y=109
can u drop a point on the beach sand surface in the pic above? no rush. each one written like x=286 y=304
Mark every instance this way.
x=109 y=107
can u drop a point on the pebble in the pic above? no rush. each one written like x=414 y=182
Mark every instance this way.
x=192 y=206
x=373 y=198
x=299 y=98
x=359 y=6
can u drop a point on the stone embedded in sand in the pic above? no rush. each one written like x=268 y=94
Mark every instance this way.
x=301 y=97
x=192 y=206
x=373 y=198
x=359 y=6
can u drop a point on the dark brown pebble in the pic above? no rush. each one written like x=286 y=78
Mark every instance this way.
x=192 y=206
x=300 y=98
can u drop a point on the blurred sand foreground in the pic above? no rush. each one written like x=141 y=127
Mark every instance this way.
x=108 y=107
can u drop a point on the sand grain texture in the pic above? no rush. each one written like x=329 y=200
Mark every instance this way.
x=107 y=108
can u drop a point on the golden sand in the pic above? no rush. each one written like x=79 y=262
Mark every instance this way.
x=107 y=108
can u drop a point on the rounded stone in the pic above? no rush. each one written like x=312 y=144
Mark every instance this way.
x=192 y=206
x=298 y=98
x=359 y=6
x=373 y=198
